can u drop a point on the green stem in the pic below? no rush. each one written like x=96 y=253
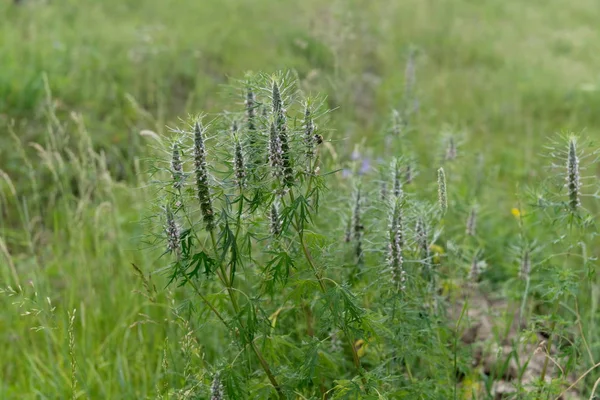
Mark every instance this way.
x=317 y=274
x=236 y=308
x=524 y=302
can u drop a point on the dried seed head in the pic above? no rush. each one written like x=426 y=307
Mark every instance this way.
x=202 y=182
x=172 y=233
x=525 y=269
x=216 y=389
x=280 y=126
x=573 y=178
x=450 y=149
x=275 y=220
x=238 y=159
x=396 y=241
x=442 y=195
x=177 y=167
x=472 y=222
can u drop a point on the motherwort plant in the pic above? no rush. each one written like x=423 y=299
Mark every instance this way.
x=239 y=233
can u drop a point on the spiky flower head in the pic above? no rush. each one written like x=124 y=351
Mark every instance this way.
x=472 y=222
x=573 y=177
x=408 y=174
x=216 y=389
x=397 y=177
x=250 y=110
x=176 y=167
x=202 y=181
x=396 y=123
x=475 y=269
x=396 y=241
x=357 y=227
x=310 y=140
x=172 y=233
x=525 y=268
x=442 y=194
x=349 y=231
x=280 y=122
x=422 y=238
x=275 y=153
x=275 y=220
x=383 y=192
x=238 y=158
x=451 y=149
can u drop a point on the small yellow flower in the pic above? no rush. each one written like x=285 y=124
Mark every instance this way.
x=516 y=212
x=437 y=252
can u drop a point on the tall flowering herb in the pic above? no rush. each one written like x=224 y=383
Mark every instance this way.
x=202 y=181
x=442 y=194
x=238 y=159
x=176 y=167
x=573 y=177
x=396 y=241
x=280 y=125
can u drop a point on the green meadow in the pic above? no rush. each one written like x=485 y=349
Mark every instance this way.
x=296 y=291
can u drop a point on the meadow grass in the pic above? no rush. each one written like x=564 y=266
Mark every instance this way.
x=80 y=81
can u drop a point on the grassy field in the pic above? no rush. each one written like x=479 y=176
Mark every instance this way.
x=80 y=81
